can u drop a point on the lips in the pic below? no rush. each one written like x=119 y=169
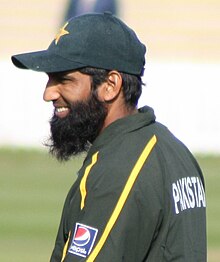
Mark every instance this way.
x=62 y=111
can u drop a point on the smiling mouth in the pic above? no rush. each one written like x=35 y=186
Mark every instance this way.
x=62 y=111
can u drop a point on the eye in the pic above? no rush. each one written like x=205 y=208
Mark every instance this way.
x=66 y=79
x=58 y=78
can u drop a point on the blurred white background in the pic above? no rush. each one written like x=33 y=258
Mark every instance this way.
x=185 y=98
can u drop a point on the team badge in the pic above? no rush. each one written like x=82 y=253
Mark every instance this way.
x=61 y=33
x=83 y=240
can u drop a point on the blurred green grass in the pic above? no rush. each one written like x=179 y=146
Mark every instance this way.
x=33 y=187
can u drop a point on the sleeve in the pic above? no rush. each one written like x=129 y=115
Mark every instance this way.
x=63 y=233
x=121 y=217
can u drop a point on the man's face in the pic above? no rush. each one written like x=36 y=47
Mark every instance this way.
x=78 y=114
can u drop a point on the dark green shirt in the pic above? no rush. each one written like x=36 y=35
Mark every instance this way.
x=139 y=197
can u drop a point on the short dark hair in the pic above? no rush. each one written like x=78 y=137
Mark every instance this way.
x=131 y=84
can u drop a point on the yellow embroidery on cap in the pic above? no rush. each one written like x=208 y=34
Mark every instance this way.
x=61 y=33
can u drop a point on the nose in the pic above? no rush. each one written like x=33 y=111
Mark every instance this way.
x=51 y=92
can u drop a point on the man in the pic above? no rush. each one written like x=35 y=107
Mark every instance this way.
x=139 y=195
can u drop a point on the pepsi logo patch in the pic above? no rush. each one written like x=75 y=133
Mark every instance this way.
x=83 y=240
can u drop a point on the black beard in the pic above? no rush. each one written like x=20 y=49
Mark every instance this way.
x=74 y=133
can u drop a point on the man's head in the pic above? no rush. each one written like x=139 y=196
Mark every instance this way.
x=79 y=113
x=94 y=66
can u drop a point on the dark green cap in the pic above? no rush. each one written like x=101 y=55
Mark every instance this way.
x=94 y=40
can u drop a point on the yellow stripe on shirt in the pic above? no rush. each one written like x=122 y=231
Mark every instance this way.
x=84 y=179
x=124 y=195
x=65 y=247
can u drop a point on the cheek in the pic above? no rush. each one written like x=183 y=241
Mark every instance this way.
x=80 y=93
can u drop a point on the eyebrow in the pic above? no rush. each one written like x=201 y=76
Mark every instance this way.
x=62 y=76
x=56 y=75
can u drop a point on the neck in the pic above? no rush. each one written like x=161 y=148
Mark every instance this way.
x=117 y=112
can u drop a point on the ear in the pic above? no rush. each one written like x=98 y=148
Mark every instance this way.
x=112 y=87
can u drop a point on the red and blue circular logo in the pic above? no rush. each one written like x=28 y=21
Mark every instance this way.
x=82 y=236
